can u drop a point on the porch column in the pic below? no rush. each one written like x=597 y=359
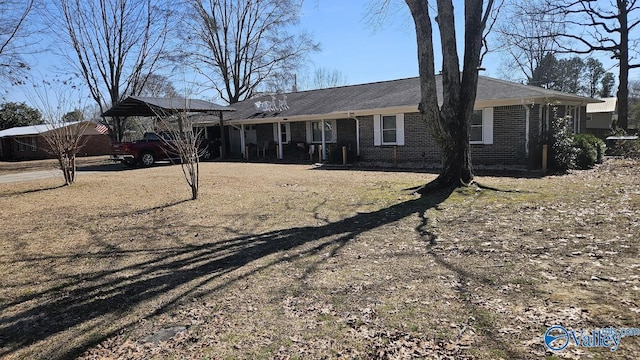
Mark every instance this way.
x=547 y=120
x=324 y=142
x=243 y=149
x=357 y=136
x=527 y=119
x=223 y=141
x=280 y=150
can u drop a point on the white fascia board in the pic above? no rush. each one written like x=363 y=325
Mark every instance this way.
x=386 y=111
x=328 y=116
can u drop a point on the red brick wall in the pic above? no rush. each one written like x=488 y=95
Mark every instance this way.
x=94 y=145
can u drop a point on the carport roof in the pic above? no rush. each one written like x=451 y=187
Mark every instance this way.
x=151 y=106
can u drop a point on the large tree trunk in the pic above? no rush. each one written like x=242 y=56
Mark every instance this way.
x=456 y=160
x=449 y=124
x=623 y=80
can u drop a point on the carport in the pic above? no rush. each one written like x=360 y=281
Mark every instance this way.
x=152 y=106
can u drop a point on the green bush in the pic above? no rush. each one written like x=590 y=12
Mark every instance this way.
x=563 y=154
x=589 y=150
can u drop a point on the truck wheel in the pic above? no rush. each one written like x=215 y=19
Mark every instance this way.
x=147 y=159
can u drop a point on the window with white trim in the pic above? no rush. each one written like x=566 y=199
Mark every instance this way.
x=481 y=127
x=284 y=133
x=314 y=131
x=475 y=127
x=388 y=129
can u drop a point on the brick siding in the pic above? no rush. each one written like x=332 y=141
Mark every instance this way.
x=94 y=145
x=421 y=150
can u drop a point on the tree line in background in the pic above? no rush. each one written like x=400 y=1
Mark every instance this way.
x=546 y=41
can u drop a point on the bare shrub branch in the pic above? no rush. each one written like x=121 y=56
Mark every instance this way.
x=64 y=139
x=181 y=140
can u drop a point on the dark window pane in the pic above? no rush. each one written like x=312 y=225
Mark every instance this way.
x=388 y=122
x=476 y=118
x=316 y=130
x=476 y=133
x=388 y=136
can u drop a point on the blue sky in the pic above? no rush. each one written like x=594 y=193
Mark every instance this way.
x=363 y=53
x=349 y=44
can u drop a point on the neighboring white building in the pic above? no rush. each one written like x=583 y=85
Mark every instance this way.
x=601 y=115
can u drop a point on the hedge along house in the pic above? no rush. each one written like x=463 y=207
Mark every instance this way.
x=380 y=125
x=29 y=143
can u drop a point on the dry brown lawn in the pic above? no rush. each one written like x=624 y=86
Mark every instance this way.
x=292 y=262
x=10 y=167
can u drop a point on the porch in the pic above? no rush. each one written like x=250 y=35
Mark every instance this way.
x=296 y=141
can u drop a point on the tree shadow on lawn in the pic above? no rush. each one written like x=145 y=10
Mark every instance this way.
x=92 y=306
x=29 y=191
x=484 y=324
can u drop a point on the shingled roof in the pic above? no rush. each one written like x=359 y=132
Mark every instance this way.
x=395 y=94
x=151 y=106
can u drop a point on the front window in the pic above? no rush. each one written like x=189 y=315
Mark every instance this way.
x=389 y=129
x=283 y=132
x=316 y=131
x=475 y=129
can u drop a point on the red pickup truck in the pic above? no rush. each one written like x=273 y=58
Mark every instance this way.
x=150 y=149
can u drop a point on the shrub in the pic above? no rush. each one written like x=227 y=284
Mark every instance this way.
x=563 y=154
x=589 y=150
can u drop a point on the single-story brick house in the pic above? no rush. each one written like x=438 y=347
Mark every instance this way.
x=380 y=125
x=28 y=142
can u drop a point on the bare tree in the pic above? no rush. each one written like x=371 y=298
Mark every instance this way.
x=605 y=27
x=64 y=140
x=326 y=78
x=525 y=35
x=114 y=46
x=158 y=85
x=15 y=38
x=184 y=142
x=449 y=123
x=238 y=44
